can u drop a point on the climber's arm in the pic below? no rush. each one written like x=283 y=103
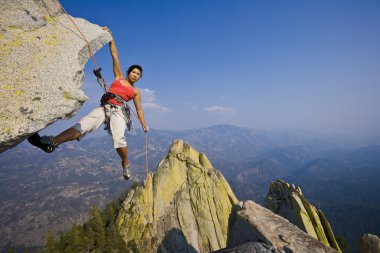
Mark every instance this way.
x=118 y=73
x=140 y=113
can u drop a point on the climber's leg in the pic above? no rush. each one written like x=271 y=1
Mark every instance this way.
x=118 y=127
x=86 y=125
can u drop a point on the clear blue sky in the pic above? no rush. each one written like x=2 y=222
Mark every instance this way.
x=311 y=65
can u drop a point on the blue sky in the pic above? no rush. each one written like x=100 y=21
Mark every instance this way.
x=268 y=65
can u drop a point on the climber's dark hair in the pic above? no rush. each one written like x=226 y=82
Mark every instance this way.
x=135 y=66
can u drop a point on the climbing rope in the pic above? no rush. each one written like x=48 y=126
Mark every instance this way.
x=97 y=70
x=104 y=86
x=147 y=192
x=88 y=44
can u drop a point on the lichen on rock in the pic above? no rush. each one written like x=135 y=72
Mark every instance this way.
x=288 y=201
x=190 y=203
x=42 y=57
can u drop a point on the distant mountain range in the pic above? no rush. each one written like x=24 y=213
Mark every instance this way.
x=40 y=191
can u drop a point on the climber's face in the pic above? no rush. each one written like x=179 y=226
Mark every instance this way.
x=134 y=75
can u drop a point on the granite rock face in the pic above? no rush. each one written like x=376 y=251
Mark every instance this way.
x=287 y=201
x=42 y=57
x=369 y=244
x=190 y=206
x=258 y=224
x=251 y=247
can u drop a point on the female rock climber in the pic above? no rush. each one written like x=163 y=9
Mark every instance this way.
x=111 y=112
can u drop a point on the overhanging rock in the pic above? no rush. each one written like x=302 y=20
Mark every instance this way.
x=42 y=57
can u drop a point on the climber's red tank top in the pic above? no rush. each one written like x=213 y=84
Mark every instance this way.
x=125 y=92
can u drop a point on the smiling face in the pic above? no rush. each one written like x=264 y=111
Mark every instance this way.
x=134 y=75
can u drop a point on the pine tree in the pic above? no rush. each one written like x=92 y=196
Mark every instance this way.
x=50 y=244
x=97 y=226
x=98 y=234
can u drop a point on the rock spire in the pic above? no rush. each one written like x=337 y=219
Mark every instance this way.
x=287 y=200
x=190 y=203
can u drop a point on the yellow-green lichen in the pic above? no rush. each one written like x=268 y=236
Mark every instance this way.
x=7 y=87
x=8 y=46
x=7 y=130
x=302 y=219
x=184 y=189
x=306 y=216
x=52 y=41
x=66 y=95
x=16 y=42
x=315 y=222
x=328 y=231
x=49 y=19
x=18 y=92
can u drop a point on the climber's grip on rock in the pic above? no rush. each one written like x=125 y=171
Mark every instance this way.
x=107 y=29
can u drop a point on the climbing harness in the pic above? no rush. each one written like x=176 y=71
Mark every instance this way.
x=102 y=83
x=124 y=107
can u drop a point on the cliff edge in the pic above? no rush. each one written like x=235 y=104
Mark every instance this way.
x=42 y=58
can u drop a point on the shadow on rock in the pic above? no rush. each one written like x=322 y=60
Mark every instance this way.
x=175 y=241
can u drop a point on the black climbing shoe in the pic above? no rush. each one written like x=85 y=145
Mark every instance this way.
x=126 y=172
x=45 y=142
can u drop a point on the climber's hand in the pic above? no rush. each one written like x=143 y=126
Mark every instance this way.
x=105 y=28
x=145 y=128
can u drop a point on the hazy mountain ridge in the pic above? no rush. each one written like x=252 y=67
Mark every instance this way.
x=63 y=185
x=345 y=185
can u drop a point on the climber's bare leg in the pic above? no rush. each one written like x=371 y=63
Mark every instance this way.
x=70 y=134
x=123 y=153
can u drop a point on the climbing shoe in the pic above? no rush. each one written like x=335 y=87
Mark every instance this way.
x=45 y=143
x=126 y=172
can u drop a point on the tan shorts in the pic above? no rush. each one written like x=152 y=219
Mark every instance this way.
x=96 y=117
